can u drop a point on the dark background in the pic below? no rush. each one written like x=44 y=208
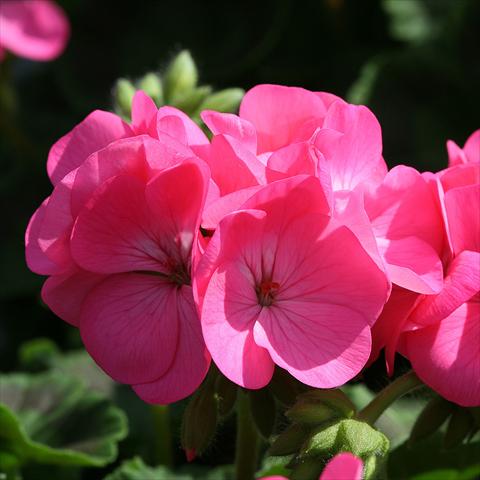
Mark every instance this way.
x=415 y=63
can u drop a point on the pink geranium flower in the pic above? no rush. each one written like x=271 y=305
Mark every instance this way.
x=118 y=237
x=343 y=466
x=37 y=30
x=282 y=282
x=285 y=131
x=439 y=332
x=101 y=128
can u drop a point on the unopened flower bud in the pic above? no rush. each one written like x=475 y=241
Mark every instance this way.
x=123 y=95
x=226 y=101
x=151 y=84
x=181 y=76
x=290 y=440
x=315 y=407
x=199 y=421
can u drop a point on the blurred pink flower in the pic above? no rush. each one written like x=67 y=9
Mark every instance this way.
x=34 y=29
x=118 y=237
x=343 y=466
x=282 y=282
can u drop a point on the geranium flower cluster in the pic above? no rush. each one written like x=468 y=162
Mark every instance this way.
x=281 y=241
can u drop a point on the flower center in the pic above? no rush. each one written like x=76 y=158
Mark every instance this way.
x=179 y=274
x=266 y=292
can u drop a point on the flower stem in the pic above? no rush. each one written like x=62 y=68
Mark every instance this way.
x=247 y=440
x=163 y=439
x=399 y=387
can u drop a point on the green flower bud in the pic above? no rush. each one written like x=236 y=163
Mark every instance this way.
x=225 y=101
x=353 y=436
x=123 y=95
x=290 y=440
x=262 y=407
x=307 y=469
x=459 y=426
x=151 y=84
x=190 y=101
x=226 y=395
x=181 y=76
x=317 y=406
x=431 y=419
x=284 y=387
x=199 y=421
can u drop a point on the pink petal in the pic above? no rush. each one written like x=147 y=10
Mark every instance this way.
x=64 y=294
x=92 y=134
x=461 y=283
x=140 y=156
x=230 y=309
x=233 y=167
x=218 y=209
x=460 y=176
x=315 y=283
x=129 y=325
x=54 y=234
x=446 y=356
x=232 y=125
x=38 y=30
x=393 y=208
x=277 y=112
x=36 y=258
x=413 y=264
x=349 y=211
x=472 y=147
x=128 y=226
x=391 y=324
x=463 y=215
x=312 y=348
x=328 y=99
x=193 y=133
x=306 y=194
x=144 y=112
x=358 y=157
x=456 y=156
x=191 y=361
x=343 y=466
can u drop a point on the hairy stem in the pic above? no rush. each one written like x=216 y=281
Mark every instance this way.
x=399 y=387
x=247 y=441
x=163 y=438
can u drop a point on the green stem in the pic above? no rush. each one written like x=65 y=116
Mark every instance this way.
x=399 y=387
x=247 y=440
x=163 y=438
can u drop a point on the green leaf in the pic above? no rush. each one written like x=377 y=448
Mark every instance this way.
x=50 y=418
x=461 y=423
x=433 y=416
x=428 y=455
x=135 y=469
